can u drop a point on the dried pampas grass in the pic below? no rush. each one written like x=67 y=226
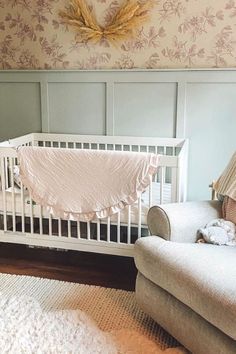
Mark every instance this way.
x=128 y=18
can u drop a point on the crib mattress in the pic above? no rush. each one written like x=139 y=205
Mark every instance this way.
x=37 y=211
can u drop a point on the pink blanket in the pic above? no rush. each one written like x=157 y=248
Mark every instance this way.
x=85 y=184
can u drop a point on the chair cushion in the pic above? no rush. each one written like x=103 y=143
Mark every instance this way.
x=202 y=276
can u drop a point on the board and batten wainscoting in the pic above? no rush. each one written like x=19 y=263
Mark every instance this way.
x=195 y=104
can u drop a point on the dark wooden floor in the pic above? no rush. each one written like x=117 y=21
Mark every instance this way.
x=80 y=267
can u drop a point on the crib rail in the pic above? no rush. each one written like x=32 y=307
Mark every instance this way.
x=20 y=141
x=101 y=139
x=23 y=221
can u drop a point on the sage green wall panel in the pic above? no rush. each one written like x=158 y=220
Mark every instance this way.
x=77 y=108
x=19 y=109
x=148 y=103
x=145 y=109
x=211 y=127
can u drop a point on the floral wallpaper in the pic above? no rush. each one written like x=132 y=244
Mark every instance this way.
x=180 y=34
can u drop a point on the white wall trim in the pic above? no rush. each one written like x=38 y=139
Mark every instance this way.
x=181 y=109
x=45 y=120
x=110 y=108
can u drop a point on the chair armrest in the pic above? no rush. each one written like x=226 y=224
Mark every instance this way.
x=179 y=222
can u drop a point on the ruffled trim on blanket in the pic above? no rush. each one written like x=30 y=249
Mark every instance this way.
x=98 y=214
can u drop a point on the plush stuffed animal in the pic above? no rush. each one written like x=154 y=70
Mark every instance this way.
x=219 y=232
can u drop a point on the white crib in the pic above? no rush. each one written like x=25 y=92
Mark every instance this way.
x=22 y=221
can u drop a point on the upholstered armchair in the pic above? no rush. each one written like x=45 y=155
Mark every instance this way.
x=189 y=288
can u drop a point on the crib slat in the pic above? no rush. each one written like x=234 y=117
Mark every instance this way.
x=59 y=227
x=69 y=228
x=88 y=230
x=139 y=216
x=173 y=184
x=129 y=225
x=98 y=230
x=22 y=199
x=108 y=229
x=156 y=175
x=162 y=181
x=150 y=192
x=31 y=216
x=118 y=227
x=78 y=229
x=40 y=220
x=50 y=225
x=13 y=200
x=6 y=173
x=3 y=164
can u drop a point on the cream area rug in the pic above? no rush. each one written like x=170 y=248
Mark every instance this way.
x=41 y=316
